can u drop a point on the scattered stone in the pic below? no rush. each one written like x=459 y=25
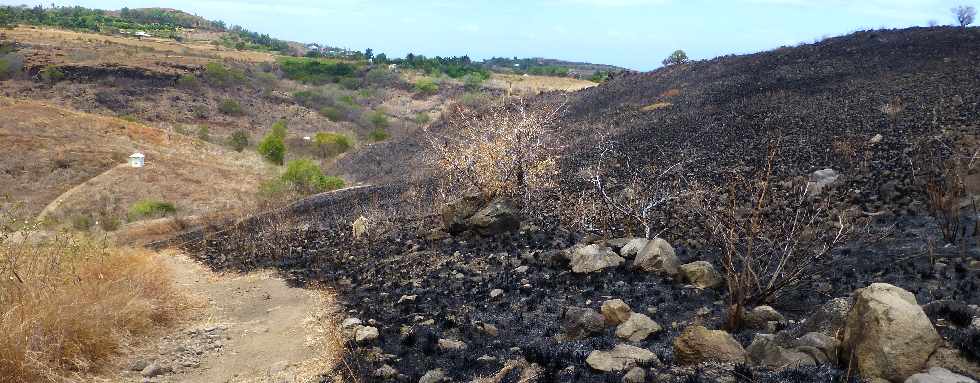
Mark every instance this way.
x=633 y=247
x=350 y=322
x=698 y=344
x=765 y=352
x=759 y=317
x=657 y=257
x=360 y=227
x=154 y=370
x=637 y=328
x=876 y=139
x=386 y=372
x=592 y=258
x=622 y=357
x=496 y=217
x=615 y=311
x=635 y=375
x=138 y=365
x=887 y=334
x=579 y=322
x=451 y=345
x=701 y=274
x=496 y=293
x=939 y=375
x=433 y=376
x=366 y=334
x=825 y=344
x=521 y=269
x=821 y=179
x=407 y=298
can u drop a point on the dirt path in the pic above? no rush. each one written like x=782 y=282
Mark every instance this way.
x=251 y=328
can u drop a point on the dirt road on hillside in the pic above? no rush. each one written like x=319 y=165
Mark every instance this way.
x=250 y=328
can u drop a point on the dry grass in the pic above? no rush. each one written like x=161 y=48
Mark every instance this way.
x=69 y=305
x=536 y=84
x=656 y=105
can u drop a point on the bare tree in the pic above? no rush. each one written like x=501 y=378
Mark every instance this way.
x=642 y=193
x=964 y=14
x=771 y=244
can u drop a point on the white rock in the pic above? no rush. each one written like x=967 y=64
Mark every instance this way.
x=621 y=358
x=939 y=375
x=366 y=334
x=637 y=328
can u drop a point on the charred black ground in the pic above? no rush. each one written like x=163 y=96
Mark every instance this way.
x=824 y=102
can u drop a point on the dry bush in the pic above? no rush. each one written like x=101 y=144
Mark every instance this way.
x=68 y=305
x=947 y=168
x=772 y=242
x=639 y=192
x=509 y=150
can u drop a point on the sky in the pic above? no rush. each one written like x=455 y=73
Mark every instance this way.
x=635 y=34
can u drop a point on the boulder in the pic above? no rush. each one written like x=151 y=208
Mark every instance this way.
x=592 y=258
x=456 y=213
x=764 y=351
x=621 y=358
x=496 y=217
x=826 y=345
x=433 y=376
x=637 y=328
x=360 y=227
x=939 y=375
x=579 y=322
x=698 y=344
x=657 y=257
x=820 y=179
x=451 y=345
x=635 y=375
x=887 y=334
x=701 y=274
x=759 y=317
x=615 y=311
x=633 y=247
x=366 y=334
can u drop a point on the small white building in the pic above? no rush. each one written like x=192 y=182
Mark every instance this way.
x=137 y=160
x=141 y=34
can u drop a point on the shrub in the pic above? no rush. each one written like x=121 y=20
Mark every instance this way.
x=378 y=135
x=238 y=140
x=150 y=208
x=279 y=128
x=230 y=107
x=109 y=223
x=350 y=83
x=272 y=148
x=422 y=118
x=199 y=111
x=188 y=81
x=81 y=222
x=332 y=113
x=381 y=77
x=474 y=100
x=331 y=144
x=426 y=86
x=219 y=75
x=204 y=133
x=306 y=176
x=378 y=119
x=315 y=71
x=473 y=81
x=51 y=74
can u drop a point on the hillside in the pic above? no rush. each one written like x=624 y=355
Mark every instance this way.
x=522 y=300
x=74 y=164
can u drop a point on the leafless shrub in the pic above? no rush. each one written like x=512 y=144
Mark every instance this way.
x=964 y=15
x=642 y=193
x=509 y=150
x=946 y=170
x=772 y=241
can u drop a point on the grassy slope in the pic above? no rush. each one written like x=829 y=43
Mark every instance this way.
x=59 y=149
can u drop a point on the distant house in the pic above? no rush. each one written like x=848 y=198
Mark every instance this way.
x=137 y=160
x=140 y=34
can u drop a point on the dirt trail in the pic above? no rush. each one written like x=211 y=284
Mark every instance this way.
x=251 y=328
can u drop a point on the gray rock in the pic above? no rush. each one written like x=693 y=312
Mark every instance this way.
x=350 y=322
x=496 y=217
x=633 y=247
x=637 y=328
x=939 y=375
x=765 y=352
x=451 y=345
x=825 y=344
x=657 y=257
x=635 y=375
x=496 y=293
x=154 y=370
x=366 y=334
x=433 y=376
x=579 y=322
x=138 y=365
x=621 y=358
x=618 y=243
x=455 y=214
x=820 y=179
x=887 y=334
x=759 y=317
x=386 y=372
x=592 y=258
x=697 y=344
x=615 y=311
x=701 y=274
x=828 y=319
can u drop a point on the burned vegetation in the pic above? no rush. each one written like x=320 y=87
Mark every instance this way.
x=738 y=219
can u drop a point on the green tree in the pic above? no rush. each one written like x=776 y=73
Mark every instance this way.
x=378 y=135
x=473 y=81
x=279 y=129
x=426 y=86
x=52 y=74
x=230 y=107
x=306 y=177
x=272 y=148
x=331 y=144
x=238 y=140
x=678 y=57
x=378 y=119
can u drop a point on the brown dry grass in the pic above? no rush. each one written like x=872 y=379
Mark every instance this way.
x=68 y=306
x=536 y=84
x=70 y=162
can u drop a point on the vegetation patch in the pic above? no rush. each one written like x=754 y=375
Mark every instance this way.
x=150 y=208
x=426 y=86
x=316 y=71
x=331 y=144
x=230 y=107
x=657 y=105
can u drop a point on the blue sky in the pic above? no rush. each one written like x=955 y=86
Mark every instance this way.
x=636 y=34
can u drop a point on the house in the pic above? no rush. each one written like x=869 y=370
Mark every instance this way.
x=136 y=160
